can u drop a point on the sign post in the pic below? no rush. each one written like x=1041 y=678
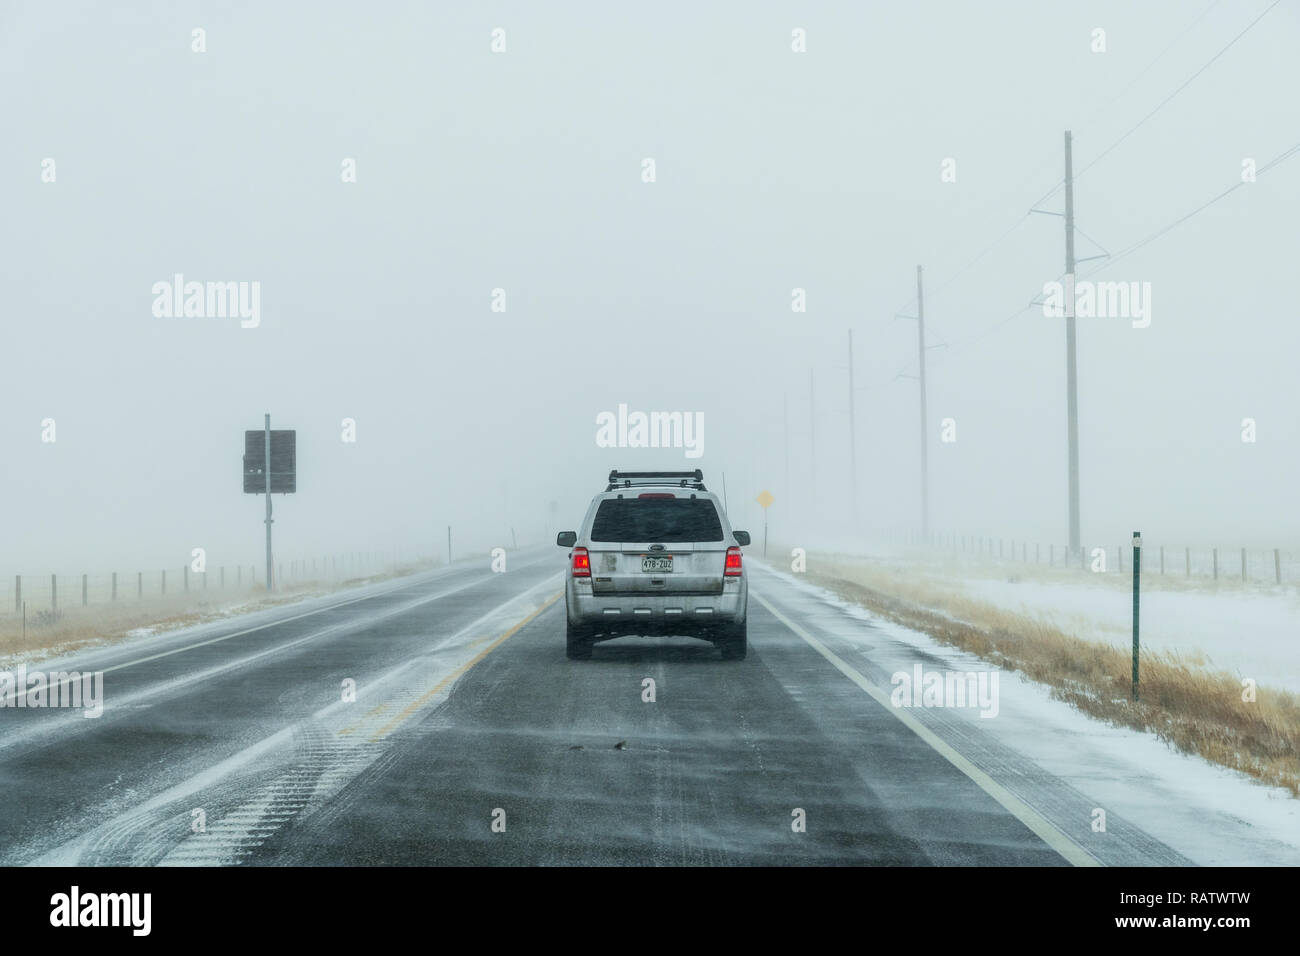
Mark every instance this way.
x=270 y=466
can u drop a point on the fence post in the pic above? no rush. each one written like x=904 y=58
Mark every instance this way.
x=139 y=585
x=114 y=585
x=1215 y=552
x=1162 y=560
x=54 y=592
x=1119 y=553
x=1243 y=564
x=18 y=593
x=223 y=577
x=185 y=571
x=1137 y=574
x=1277 y=565
x=1187 y=556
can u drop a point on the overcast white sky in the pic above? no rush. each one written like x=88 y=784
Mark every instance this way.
x=523 y=171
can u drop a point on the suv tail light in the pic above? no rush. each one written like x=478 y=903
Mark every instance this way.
x=581 y=566
x=732 y=568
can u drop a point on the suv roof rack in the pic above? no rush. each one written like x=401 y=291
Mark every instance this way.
x=639 y=479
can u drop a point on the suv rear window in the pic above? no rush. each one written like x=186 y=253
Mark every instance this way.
x=656 y=519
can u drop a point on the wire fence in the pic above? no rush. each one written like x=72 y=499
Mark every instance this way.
x=39 y=595
x=1243 y=565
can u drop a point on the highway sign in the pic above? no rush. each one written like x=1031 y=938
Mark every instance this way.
x=284 y=462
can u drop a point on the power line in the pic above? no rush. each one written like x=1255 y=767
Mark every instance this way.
x=969 y=265
x=1272 y=163
x=987 y=249
x=1275 y=161
x=1147 y=69
x=1111 y=260
x=1159 y=106
x=1128 y=86
x=1047 y=195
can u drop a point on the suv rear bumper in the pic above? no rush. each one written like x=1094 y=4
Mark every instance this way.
x=626 y=613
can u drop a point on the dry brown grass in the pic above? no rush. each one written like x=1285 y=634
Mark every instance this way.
x=77 y=627
x=1194 y=709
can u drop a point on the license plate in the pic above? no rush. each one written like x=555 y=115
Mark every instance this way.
x=657 y=565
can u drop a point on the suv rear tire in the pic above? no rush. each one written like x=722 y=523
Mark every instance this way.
x=734 y=641
x=577 y=641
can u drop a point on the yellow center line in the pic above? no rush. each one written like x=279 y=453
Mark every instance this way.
x=374 y=712
x=438 y=687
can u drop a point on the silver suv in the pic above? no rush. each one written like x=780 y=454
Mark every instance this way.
x=656 y=555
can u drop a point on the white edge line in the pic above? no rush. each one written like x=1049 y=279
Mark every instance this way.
x=69 y=853
x=1047 y=831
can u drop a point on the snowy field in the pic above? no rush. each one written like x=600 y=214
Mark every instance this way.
x=1252 y=630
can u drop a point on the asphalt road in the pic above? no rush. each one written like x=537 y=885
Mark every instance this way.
x=472 y=740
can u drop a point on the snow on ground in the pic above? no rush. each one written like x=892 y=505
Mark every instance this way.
x=1212 y=815
x=1251 y=631
x=1250 y=634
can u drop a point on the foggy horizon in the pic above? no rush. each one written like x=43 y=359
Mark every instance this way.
x=523 y=171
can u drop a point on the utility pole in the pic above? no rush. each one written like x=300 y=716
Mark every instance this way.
x=785 y=418
x=1071 y=367
x=925 y=462
x=853 y=440
x=268 y=502
x=812 y=432
x=812 y=422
